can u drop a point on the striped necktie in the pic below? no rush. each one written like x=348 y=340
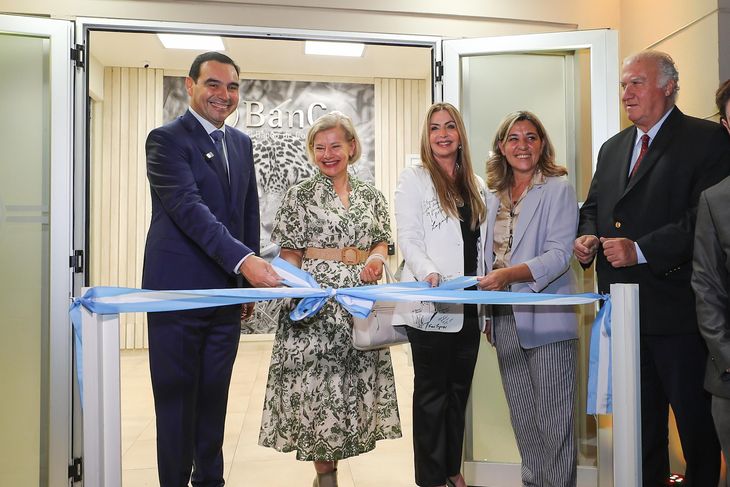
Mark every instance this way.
x=217 y=136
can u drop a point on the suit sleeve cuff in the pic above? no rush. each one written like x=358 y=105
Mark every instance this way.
x=237 y=270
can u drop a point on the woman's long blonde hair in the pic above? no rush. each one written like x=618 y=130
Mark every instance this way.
x=464 y=185
x=499 y=172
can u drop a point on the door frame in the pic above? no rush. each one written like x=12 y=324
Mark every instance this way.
x=108 y=474
x=58 y=381
x=604 y=55
x=86 y=24
x=603 y=46
x=604 y=79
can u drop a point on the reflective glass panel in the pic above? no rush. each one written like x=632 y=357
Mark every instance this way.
x=24 y=258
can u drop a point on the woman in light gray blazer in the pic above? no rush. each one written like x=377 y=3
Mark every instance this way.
x=532 y=220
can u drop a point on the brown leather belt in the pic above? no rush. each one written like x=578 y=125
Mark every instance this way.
x=346 y=255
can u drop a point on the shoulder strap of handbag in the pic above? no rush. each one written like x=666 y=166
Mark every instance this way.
x=389 y=278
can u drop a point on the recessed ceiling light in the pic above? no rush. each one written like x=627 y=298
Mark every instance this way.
x=352 y=49
x=196 y=42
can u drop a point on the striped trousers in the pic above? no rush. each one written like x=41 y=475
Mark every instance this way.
x=539 y=384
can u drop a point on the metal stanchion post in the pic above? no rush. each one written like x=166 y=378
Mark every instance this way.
x=101 y=400
x=626 y=385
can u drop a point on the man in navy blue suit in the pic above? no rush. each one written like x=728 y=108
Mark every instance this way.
x=204 y=234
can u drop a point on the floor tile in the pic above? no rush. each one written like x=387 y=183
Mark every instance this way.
x=246 y=463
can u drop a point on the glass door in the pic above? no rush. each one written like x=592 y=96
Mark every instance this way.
x=570 y=81
x=35 y=245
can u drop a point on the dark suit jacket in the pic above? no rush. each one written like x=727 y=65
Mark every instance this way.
x=201 y=225
x=657 y=209
x=711 y=282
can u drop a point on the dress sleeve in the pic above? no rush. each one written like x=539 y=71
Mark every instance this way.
x=380 y=231
x=290 y=228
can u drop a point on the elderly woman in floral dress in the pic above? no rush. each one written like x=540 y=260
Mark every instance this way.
x=325 y=399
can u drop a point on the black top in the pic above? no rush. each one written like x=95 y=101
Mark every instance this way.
x=470 y=238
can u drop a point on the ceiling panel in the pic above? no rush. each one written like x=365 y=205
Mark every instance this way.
x=264 y=56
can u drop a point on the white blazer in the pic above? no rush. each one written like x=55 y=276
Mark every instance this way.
x=543 y=239
x=431 y=242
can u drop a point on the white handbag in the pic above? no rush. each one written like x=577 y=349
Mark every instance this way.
x=377 y=330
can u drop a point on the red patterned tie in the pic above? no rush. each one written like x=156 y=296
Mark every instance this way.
x=644 y=148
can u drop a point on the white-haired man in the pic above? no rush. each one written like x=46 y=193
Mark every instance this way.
x=638 y=223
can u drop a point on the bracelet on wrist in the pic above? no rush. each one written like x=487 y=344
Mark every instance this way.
x=373 y=257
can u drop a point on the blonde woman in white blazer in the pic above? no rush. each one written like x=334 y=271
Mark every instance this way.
x=532 y=222
x=431 y=243
x=441 y=214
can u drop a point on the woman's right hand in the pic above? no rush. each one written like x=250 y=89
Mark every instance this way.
x=497 y=280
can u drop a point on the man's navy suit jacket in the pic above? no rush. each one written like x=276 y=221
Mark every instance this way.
x=202 y=225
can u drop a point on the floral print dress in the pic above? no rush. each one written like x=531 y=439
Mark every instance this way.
x=324 y=398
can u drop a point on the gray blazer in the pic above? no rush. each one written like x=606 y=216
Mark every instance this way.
x=711 y=283
x=543 y=239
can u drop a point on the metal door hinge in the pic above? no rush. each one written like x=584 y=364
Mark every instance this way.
x=76 y=470
x=439 y=71
x=77 y=56
x=76 y=261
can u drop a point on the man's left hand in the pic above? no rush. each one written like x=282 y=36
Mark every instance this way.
x=620 y=252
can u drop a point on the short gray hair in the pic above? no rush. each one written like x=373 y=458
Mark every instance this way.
x=665 y=64
x=332 y=120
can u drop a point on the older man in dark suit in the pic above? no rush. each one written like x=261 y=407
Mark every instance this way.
x=711 y=282
x=204 y=233
x=638 y=222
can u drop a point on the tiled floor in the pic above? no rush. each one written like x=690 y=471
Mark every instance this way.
x=247 y=464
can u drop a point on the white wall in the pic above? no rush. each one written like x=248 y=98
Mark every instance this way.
x=467 y=18
x=688 y=31
x=96 y=79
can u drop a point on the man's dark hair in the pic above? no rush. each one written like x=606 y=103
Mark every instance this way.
x=721 y=98
x=210 y=56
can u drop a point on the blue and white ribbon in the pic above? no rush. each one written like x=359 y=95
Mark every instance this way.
x=600 y=392
x=358 y=301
